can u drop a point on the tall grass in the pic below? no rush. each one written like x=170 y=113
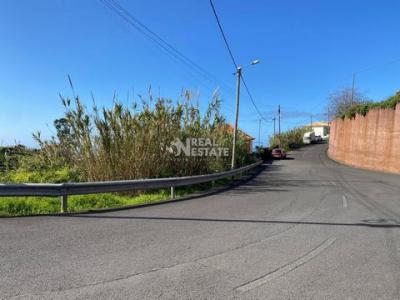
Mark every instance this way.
x=116 y=143
x=290 y=139
x=131 y=141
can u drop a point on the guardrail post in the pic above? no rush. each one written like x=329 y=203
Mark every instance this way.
x=64 y=203
x=63 y=190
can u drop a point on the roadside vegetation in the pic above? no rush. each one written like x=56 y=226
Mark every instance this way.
x=122 y=142
x=342 y=100
x=23 y=206
x=346 y=104
x=291 y=139
x=363 y=108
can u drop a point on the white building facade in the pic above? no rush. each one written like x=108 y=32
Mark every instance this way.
x=321 y=129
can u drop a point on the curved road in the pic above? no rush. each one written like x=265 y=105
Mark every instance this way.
x=303 y=228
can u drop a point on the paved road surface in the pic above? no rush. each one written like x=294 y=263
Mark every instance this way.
x=305 y=228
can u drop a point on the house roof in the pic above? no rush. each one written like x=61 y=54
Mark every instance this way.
x=319 y=124
x=230 y=128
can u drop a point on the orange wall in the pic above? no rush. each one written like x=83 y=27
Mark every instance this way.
x=370 y=142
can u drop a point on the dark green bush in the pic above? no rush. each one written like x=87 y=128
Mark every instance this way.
x=364 y=108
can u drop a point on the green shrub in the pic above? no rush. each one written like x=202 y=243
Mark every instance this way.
x=362 y=109
x=63 y=174
x=290 y=139
x=20 y=206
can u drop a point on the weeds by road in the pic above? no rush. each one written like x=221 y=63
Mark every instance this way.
x=22 y=206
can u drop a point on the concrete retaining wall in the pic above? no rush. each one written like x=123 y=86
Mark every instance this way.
x=370 y=142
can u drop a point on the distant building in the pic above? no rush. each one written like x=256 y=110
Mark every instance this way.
x=247 y=138
x=321 y=129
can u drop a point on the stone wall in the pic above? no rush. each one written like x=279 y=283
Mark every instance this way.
x=371 y=142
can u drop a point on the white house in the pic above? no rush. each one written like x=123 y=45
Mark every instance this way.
x=321 y=129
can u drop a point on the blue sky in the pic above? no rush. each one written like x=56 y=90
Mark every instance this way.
x=308 y=49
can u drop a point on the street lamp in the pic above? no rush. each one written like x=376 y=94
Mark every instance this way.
x=238 y=75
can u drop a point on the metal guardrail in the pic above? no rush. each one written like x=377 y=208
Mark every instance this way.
x=63 y=190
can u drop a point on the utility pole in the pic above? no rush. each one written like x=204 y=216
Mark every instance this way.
x=279 y=124
x=352 y=89
x=274 y=119
x=311 y=121
x=235 y=129
x=259 y=132
x=238 y=75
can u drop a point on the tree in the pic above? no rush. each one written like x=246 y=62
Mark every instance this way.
x=342 y=100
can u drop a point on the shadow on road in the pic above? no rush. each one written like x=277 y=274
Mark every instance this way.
x=379 y=223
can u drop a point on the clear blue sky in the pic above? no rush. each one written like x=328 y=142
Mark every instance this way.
x=308 y=49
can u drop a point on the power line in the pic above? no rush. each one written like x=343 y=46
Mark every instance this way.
x=223 y=34
x=124 y=14
x=116 y=7
x=206 y=74
x=252 y=100
x=391 y=62
x=166 y=47
x=234 y=61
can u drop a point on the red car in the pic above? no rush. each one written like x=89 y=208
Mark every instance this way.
x=278 y=153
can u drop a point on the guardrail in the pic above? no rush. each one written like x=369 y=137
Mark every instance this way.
x=63 y=190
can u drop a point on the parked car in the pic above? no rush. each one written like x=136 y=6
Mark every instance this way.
x=278 y=153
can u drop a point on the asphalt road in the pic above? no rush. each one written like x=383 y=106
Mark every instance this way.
x=303 y=228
